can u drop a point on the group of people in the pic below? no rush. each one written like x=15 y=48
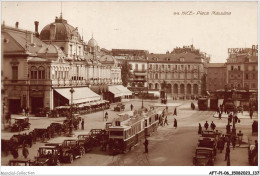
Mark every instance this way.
x=26 y=111
x=163 y=119
x=206 y=126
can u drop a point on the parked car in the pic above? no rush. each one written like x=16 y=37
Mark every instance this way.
x=48 y=156
x=208 y=143
x=203 y=157
x=20 y=162
x=119 y=107
x=72 y=147
x=20 y=124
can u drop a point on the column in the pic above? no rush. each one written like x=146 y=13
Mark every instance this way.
x=185 y=87
x=179 y=89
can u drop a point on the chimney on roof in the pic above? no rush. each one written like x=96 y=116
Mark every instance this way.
x=36 y=25
x=16 y=24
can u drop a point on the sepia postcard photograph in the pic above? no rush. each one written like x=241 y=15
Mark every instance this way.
x=172 y=86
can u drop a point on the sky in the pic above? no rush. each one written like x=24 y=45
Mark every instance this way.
x=152 y=26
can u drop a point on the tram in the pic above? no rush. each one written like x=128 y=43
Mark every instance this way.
x=130 y=128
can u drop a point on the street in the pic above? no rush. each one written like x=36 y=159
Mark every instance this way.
x=167 y=147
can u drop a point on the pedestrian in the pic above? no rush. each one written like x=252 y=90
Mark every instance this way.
x=175 y=112
x=222 y=108
x=212 y=126
x=235 y=118
x=219 y=116
x=206 y=125
x=166 y=110
x=227 y=155
x=106 y=116
x=221 y=144
x=82 y=124
x=146 y=145
x=233 y=141
x=200 y=129
x=228 y=128
x=175 y=123
x=166 y=121
x=132 y=107
x=251 y=113
x=240 y=137
x=25 y=152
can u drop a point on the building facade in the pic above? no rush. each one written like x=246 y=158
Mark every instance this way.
x=242 y=68
x=216 y=76
x=181 y=70
x=40 y=67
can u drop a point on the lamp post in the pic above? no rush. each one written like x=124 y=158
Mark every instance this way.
x=71 y=115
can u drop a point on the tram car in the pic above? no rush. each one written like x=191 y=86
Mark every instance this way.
x=203 y=104
x=130 y=128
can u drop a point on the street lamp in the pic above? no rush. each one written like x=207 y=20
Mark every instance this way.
x=71 y=117
x=142 y=98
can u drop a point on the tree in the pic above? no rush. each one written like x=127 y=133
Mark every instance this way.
x=125 y=72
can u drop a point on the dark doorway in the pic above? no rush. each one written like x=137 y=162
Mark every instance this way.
x=14 y=106
x=36 y=102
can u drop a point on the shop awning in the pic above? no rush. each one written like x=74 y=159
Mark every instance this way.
x=80 y=95
x=115 y=91
x=124 y=90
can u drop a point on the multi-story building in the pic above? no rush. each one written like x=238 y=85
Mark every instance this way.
x=182 y=70
x=137 y=61
x=242 y=68
x=41 y=68
x=216 y=76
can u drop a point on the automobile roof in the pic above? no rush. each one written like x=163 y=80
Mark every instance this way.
x=22 y=117
x=203 y=148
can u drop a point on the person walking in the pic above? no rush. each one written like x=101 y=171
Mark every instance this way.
x=25 y=152
x=228 y=128
x=233 y=141
x=106 y=116
x=251 y=113
x=239 y=136
x=212 y=126
x=175 y=112
x=166 y=121
x=132 y=107
x=82 y=124
x=200 y=129
x=206 y=125
x=175 y=123
x=146 y=145
x=227 y=154
x=219 y=116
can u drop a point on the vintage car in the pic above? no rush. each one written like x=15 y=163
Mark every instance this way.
x=119 y=107
x=87 y=141
x=203 y=157
x=208 y=133
x=20 y=162
x=20 y=124
x=48 y=156
x=71 y=147
x=208 y=143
